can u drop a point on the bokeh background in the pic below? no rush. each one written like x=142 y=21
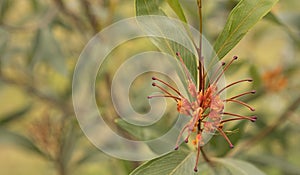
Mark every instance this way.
x=40 y=42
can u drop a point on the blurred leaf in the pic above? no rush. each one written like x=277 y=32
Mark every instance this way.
x=175 y=5
x=272 y=17
x=255 y=76
x=241 y=19
x=141 y=133
x=34 y=47
x=48 y=50
x=59 y=22
x=5 y=5
x=88 y=157
x=35 y=5
x=152 y=8
x=4 y=36
x=69 y=141
x=19 y=140
x=131 y=129
x=239 y=167
x=272 y=161
x=15 y=115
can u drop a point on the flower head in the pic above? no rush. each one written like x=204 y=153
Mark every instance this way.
x=206 y=107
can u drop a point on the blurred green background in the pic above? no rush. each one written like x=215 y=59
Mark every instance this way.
x=40 y=42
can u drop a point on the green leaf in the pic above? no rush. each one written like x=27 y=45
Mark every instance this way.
x=256 y=77
x=15 y=115
x=238 y=167
x=273 y=161
x=169 y=28
x=272 y=17
x=241 y=19
x=144 y=7
x=177 y=162
x=182 y=162
x=175 y=5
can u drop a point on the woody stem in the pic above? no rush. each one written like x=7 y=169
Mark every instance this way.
x=201 y=67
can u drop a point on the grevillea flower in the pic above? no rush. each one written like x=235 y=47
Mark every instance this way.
x=205 y=108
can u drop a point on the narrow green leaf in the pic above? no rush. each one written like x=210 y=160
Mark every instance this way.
x=239 y=167
x=182 y=162
x=177 y=162
x=143 y=8
x=175 y=5
x=15 y=115
x=241 y=19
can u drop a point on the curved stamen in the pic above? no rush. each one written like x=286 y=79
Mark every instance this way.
x=197 y=158
x=234 y=83
x=186 y=140
x=154 y=78
x=166 y=96
x=214 y=75
x=240 y=116
x=161 y=88
x=226 y=67
x=225 y=136
x=246 y=93
x=240 y=102
x=179 y=136
x=252 y=119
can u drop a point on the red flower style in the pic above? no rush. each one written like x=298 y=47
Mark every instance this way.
x=205 y=108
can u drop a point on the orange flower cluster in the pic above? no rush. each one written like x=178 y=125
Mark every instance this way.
x=205 y=108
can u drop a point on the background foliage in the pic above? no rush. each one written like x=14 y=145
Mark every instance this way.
x=40 y=42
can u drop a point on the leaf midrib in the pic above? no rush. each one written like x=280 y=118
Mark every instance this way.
x=181 y=163
x=236 y=29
